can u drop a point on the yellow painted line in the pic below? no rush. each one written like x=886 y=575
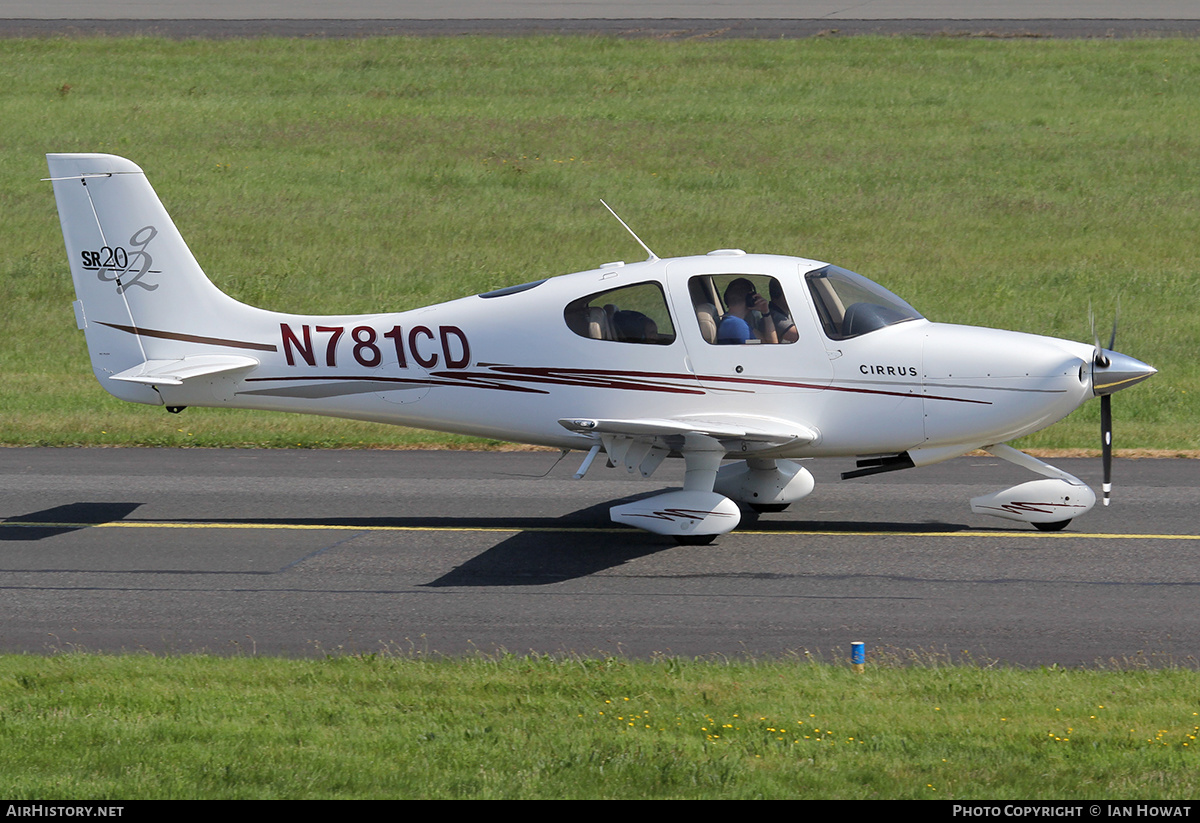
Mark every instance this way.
x=973 y=533
x=146 y=524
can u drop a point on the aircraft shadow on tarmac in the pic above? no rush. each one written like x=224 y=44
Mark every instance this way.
x=542 y=555
x=543 y=551
x=63 y=519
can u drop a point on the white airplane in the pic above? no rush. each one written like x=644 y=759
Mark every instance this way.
x=756 y=359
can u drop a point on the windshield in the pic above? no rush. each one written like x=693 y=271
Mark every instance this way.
x=850 y=305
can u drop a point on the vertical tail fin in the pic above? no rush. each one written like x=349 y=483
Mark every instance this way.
x=142 y=299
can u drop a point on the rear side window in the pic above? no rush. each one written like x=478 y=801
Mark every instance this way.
x=629 y=314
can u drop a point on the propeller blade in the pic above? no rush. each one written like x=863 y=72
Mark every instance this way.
x=1111 y=372
x=1098 y=358
x=1112 y=340
x=1106 y=443
x=1106 y=418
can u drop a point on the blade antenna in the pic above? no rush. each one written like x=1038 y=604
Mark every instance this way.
x=653 y=256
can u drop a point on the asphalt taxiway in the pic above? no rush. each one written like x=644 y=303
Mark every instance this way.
x=667 y=19
x=309 y=552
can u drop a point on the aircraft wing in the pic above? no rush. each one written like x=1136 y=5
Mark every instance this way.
x=643 y=443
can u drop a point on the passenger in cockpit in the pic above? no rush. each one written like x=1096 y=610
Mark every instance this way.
x=635 y=327
x=785 y=327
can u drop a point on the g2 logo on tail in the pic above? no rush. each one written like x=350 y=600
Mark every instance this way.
x=124 y=267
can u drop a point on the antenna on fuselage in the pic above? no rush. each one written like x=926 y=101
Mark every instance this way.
x=653 y=256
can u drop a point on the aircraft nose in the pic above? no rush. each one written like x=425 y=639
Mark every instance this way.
x=1113 y=371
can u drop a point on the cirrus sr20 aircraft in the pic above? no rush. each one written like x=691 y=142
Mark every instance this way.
x=740 y=364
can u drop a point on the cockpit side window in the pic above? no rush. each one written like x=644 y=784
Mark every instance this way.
x=741 y=308
x=629 y=314
x=850 y=305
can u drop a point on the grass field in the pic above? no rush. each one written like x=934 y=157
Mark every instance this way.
x=77 y=726
x=1002 y=183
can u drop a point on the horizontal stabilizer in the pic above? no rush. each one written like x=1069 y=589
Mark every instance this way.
x=175 y=372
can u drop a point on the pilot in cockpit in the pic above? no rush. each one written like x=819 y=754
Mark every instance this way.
x=738 y=325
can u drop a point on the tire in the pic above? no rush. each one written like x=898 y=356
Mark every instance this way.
x=765 y=508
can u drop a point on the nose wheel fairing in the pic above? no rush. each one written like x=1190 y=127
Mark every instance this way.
x=1048 y=504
